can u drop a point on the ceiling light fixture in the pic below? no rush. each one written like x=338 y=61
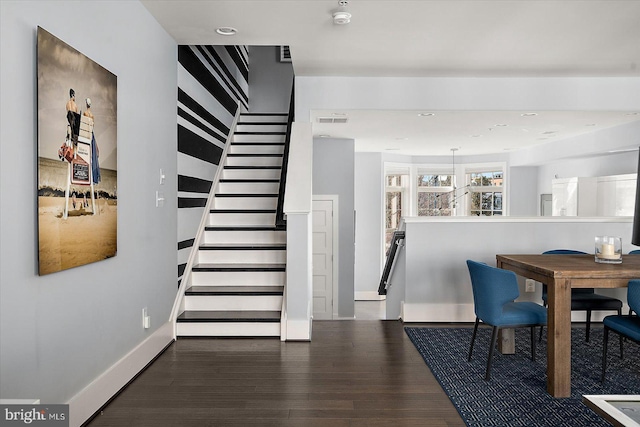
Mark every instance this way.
x=226 y=31
x=340 y=15
x=426 y=114
x=528 y=114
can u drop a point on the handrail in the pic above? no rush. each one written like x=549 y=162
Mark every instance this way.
x=178 y=304
x=398 y=236
x=281 y=221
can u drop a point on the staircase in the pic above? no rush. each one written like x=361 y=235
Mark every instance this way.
x=237 y=281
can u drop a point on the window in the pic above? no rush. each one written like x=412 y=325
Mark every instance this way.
x=395 y=204
x=435 y=193
x=485 y=188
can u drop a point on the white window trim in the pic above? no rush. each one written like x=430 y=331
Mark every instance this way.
x=485 y=167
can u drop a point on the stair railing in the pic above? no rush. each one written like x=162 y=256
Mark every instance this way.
x=281 y=221
x=178 y=305
x=396 y=243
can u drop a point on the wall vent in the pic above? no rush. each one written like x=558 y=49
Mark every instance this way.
x=332 y=120
x=285 y=54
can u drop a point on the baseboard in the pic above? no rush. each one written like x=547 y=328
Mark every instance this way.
x=298 y=330
x=83 y=405
x=369 y=296
x=465 y=313
x=437 y=312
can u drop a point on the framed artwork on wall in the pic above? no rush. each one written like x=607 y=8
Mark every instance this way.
x=77 y=158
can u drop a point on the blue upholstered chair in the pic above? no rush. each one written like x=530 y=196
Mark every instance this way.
x=584 y=299
x=494 y=292
x=625 y=326
x=635 y=252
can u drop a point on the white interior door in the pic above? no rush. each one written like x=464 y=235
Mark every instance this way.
x=322 y=259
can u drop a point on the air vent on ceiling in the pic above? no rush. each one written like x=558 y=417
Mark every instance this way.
x=332 y=120
x=285 y=54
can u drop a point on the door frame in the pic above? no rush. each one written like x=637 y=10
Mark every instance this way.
x=335 y=261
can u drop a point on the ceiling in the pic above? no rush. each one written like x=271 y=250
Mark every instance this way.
x=445 y=38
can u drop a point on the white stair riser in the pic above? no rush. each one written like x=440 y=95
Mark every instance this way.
x=251 y=173
x=257 y=127
x=246 y=202
x=258 y=138
x=248 y=187
x=233 y=303
x=254 y=161
x=267 y=219
x=237 y=278
x=264 y=148
x=234 y=236
x=272 y=256
x=218 y=329
x=266 y=118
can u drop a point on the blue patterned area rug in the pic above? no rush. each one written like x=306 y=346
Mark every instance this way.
x=516 y=394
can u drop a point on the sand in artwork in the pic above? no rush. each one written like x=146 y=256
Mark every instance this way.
x=79 y=239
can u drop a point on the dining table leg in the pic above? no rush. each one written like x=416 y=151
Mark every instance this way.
x=559 y=338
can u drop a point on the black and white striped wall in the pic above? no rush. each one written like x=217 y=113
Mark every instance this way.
x=212 y=83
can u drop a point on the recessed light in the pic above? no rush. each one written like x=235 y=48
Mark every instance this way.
x=500 y=125
x=591 y=124
x=426 y=114
x=324 y=136
x=226 y=31
x=528 y=114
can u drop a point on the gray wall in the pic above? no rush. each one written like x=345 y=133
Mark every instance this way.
x=269 y=80
x=369 y=176
x=61 y=331
x=333 y=173
x=522 y=189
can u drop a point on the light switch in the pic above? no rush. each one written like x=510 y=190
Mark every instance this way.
x=159 y=199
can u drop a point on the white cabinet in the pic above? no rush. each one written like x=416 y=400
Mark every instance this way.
x=574 y=196
x=616 y=195
x=594 y=196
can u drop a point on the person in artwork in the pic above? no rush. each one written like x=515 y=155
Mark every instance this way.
x=73 y=115
x=95 y=152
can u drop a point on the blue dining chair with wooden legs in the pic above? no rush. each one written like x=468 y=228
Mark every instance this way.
x=584 y=299
x=626 y=326
x=494 y=294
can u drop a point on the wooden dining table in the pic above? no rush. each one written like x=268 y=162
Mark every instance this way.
x=561 y=273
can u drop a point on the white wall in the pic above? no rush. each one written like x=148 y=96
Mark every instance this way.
x=434 y=280
x=60 y=332
x=614 y=164
x=588 y=93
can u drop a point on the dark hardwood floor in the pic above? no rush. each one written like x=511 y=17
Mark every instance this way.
x=352 y=374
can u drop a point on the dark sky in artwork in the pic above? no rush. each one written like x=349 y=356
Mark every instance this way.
x=60 y=68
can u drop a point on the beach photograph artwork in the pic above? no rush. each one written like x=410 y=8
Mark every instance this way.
x=77 y=158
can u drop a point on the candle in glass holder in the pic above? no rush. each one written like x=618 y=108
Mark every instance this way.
x=607 y=249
